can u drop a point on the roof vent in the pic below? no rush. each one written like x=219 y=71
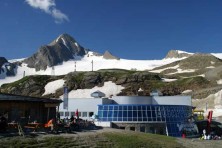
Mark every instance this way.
x=97 y=94
x=156 y=93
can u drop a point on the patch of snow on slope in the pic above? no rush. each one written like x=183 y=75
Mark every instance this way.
x=160 y=70
x=180 y=51
x=16 y=60
x=219 y=81
x=90 y=53
x=187 y=91
x=108 y=89
x=64 y=42
x=168 y=80
x=51 y=87
x=218 y=55
x=210 y=67
x=203 y=75
x=182 y=71
x=76 y=44
x=58 y=39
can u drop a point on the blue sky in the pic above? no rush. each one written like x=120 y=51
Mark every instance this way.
x=131 y=29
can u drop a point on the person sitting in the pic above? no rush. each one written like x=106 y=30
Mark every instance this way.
x=72 y=118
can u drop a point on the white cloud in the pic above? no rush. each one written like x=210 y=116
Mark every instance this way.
x=59 y=16
x=49 y=7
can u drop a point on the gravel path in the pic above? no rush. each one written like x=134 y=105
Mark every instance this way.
x=197 y=143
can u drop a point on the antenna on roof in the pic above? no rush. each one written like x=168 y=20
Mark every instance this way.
x=75 y=66
x=23 y=74
x=53 y=71
x=92 y=65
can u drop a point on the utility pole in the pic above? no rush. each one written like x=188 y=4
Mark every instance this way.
x=75 y=67
x=92 y=65
x=53 y=71
x=23 y=74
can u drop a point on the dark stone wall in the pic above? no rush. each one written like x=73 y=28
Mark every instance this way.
x=154 y=128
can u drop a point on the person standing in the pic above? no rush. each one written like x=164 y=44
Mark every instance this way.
x=72 y=118
x=204 y=134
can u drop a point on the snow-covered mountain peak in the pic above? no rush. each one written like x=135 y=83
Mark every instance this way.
x=64 y=39
x=63 y=48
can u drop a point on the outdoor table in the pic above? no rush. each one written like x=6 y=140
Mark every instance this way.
x=33 y=126
x=13 y=125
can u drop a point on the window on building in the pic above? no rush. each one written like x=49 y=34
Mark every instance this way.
x=72 y=113
x=84 y=114
x=66 y=114
x=80 y=114
x=61 y=113
x=91 y=114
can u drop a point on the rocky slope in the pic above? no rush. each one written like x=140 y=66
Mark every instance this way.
x=108 y=55
x=132 y=81
x=177 y=54
x=197 y=64
x=62 y=49
x=2 y=61
x=6 y=68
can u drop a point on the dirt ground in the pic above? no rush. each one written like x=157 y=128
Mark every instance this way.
x=197 y=143
x=188 y=143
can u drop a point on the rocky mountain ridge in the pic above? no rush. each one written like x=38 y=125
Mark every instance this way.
x=196 y=64
x=108 y=55
x=6 y=68
x=198 y=75
x=198 y=72
x=177 y=54
x=62 y=49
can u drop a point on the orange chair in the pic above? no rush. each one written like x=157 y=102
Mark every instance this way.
x=49 y=126
x=49 y=123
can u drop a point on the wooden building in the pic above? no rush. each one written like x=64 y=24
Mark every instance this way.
x=15 y=107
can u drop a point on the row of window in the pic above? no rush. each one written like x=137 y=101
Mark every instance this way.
x=161 y=113
x=171 y=114
x=80 y=114
x=144 y=108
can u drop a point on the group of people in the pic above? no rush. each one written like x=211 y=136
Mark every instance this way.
x=210 y=136
x=75 y=122
x=67 y=120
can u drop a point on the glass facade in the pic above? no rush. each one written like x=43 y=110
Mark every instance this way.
x=172 y=115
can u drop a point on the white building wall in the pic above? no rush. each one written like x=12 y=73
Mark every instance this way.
x=172 y=100
x=83 y=105
x=88 y=105
x=132 y=99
